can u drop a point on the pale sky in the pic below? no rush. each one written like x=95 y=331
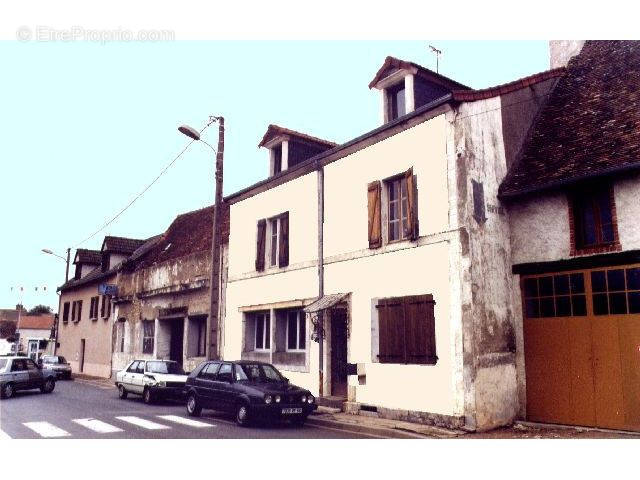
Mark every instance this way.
x=86 y=126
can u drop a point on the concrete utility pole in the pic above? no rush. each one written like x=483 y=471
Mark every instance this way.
x=321 y=313
x=214 y=313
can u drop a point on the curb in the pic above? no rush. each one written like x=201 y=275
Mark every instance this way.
x=355 y=428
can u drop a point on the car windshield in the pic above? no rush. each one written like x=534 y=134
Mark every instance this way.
x=165 y=367
x=49 y=360
x=257 y=372
x=62 y=360
x=3 y=364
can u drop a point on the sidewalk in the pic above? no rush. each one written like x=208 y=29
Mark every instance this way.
x=104 y=383
x=333 y=418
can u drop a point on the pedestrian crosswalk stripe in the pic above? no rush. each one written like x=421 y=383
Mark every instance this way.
x=141 y=422
x=45 y=429
x=185 y=421
x=97 y=425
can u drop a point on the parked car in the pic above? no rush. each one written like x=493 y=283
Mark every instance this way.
x=248 y=389
x=58 y=364
x=153 y=379
x=21 y=373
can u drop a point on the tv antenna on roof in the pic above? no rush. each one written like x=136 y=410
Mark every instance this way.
x=438 y=53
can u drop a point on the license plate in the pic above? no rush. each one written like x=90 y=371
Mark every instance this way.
x=289 y=411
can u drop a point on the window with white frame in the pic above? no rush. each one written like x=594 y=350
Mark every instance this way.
x=398 y=209
x=273 y=242
x=148 y=330
x=296 y=331
x=263 y=332
x=120 y=336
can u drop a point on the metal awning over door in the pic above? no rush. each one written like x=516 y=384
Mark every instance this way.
x=325 y=302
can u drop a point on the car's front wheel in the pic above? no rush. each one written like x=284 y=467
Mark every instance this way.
x=122 y=393
x=147 y=396
x=7 y=391
x=48 y=385
x=242 y=415
x=193 y=407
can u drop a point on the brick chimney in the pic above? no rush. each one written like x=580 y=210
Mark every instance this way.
x=561 y=51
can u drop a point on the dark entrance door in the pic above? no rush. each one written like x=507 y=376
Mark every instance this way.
x=81 y=360
x=177 y=340
x=339 y=352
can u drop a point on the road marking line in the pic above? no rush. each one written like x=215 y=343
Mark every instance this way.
x=45 y=429
x=97 y=425
x=141 y=422
x=185 y=421
x=4 y=436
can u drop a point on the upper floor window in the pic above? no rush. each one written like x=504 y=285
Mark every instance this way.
x=93 y=307
x=396 y=101
x=272 y=242
x=105 y=310
x=65 y=312
x=398 y=211
x=393 y=211
x=593 y=217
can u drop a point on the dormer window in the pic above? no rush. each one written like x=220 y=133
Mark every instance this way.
x=406 y=86
x=396 y=102
x=276 y=153
x=288 y=148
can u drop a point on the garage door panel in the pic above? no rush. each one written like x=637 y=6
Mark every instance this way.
x=607 y=372
x=581 y=369
x=548 y=378
x=629 y=331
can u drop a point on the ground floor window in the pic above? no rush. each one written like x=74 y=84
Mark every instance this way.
x=197 y=339
x=263 y=331
x=149 y=330
x=406 y=330
x=296 y=331
x=120 y=336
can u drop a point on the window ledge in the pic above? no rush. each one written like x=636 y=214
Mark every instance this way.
x=612 y=247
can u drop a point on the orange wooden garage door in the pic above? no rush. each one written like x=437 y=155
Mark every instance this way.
x=582 y=347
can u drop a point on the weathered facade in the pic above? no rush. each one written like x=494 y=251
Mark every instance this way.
x=573 y=199
x=394 y=249
x=84 y=321
x=163 y=300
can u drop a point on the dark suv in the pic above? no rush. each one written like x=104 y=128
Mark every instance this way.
x=21 y=373
x=248 y=389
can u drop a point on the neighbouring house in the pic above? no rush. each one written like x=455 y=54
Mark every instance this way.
x=573 y=201
x=84 y=326
x=35 y=335
x=8 y=327
x=376 y=273
x=163 y=302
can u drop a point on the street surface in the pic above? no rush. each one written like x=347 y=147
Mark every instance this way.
x=84 y=409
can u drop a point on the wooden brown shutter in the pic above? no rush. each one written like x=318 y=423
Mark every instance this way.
x=260 y=243
x=73 y=311
x=420 y=329
x=375 y=224
x=283 y=253
x=412 y=205
x=108 y=306
x=391 y=331
x=79 y=310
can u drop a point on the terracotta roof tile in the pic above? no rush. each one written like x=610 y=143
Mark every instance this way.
x=590 y=125
x=90 y=257
x=392 y=62
x=121 y=244
x=36 y=322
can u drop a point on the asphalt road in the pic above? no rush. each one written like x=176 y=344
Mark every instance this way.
x=79 y=409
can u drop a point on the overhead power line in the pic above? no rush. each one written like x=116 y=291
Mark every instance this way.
x=115 y=217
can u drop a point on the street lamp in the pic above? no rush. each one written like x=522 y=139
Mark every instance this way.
x=214 y=283
x=66 y=275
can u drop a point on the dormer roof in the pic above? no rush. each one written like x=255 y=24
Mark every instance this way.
x=121 y=244
x=391 y=65
x=88 y=257
x=274 y=131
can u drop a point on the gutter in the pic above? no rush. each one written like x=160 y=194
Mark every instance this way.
x=316 y=161
x=568 y=181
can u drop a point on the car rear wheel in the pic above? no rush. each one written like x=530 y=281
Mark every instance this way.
x=193 y=407
x=48 y=385
x=147 y=396
x=7 y=391
x=242 y=415
x=122 y=393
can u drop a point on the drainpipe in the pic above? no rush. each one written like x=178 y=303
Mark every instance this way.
x=320 y=278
